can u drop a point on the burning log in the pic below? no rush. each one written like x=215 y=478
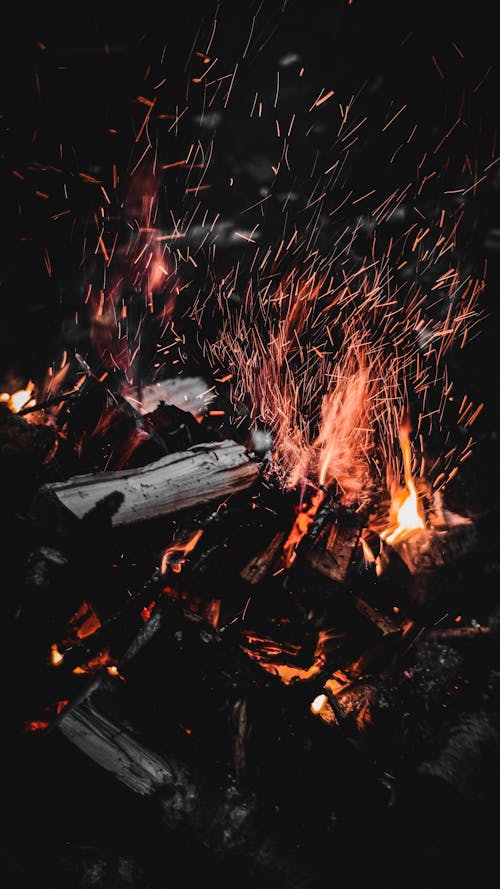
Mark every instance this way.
x=176 y=482
x=333 y=552
x=256 y=569
x=429 y=548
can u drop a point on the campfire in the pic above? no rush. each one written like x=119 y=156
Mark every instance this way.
x=240 y=580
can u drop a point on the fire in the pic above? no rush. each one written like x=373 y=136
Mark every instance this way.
x=318 y=703
x=303 y=521
x=174 y=556
x=271 y=656
x=17 y=400
x=56 y=658
x=95 y=664
x=406 y=513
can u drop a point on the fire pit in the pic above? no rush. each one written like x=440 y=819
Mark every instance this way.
x=251 y=577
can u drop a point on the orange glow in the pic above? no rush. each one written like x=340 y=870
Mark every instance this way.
x=212 y=613
x=56 y=657
x=406 y=513
x=17 y=400
x=266 y=651
x=318 y=703
x=174 y=556
x=367 y=551
x=36 y=725
x=45 y=717
x=103 y=659
x=300 y=527
x=147 y=611
x=84 y=623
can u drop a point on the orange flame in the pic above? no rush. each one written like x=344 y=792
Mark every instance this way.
x=303 y=521
x=318 y=703
x=17 y=400
x=56 y=657
x=174 y=556
x=406 y=513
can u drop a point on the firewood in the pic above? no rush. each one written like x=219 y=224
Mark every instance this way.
x=115 y=750
x=333 y=552
x=386 y=626
x=256 y=569
x=431 y=548
x=460 y=634
x=215 y=815
x=176 y=482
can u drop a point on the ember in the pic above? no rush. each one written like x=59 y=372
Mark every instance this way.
x=253 y=555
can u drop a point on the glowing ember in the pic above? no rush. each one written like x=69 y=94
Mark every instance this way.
x=103 y=659
x=175 y=556
x=406 y=511
x=278 y=658
x=84 y=623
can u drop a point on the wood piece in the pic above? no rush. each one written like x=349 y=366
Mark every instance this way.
x=459 y=634
x=215 y=815
x=258 y=566
x=430 y=548
x=386 y=626
x=176 y=482
x=333 y=553
x=115 y=750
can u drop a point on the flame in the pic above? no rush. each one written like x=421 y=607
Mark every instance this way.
x=303 y=521
x=318 y=703
x=322 y=357
x=174 y=556
x=56 y=657
x=17 y=400
x=406 y=513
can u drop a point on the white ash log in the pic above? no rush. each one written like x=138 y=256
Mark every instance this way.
x=115 y=750
x=179 y=481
